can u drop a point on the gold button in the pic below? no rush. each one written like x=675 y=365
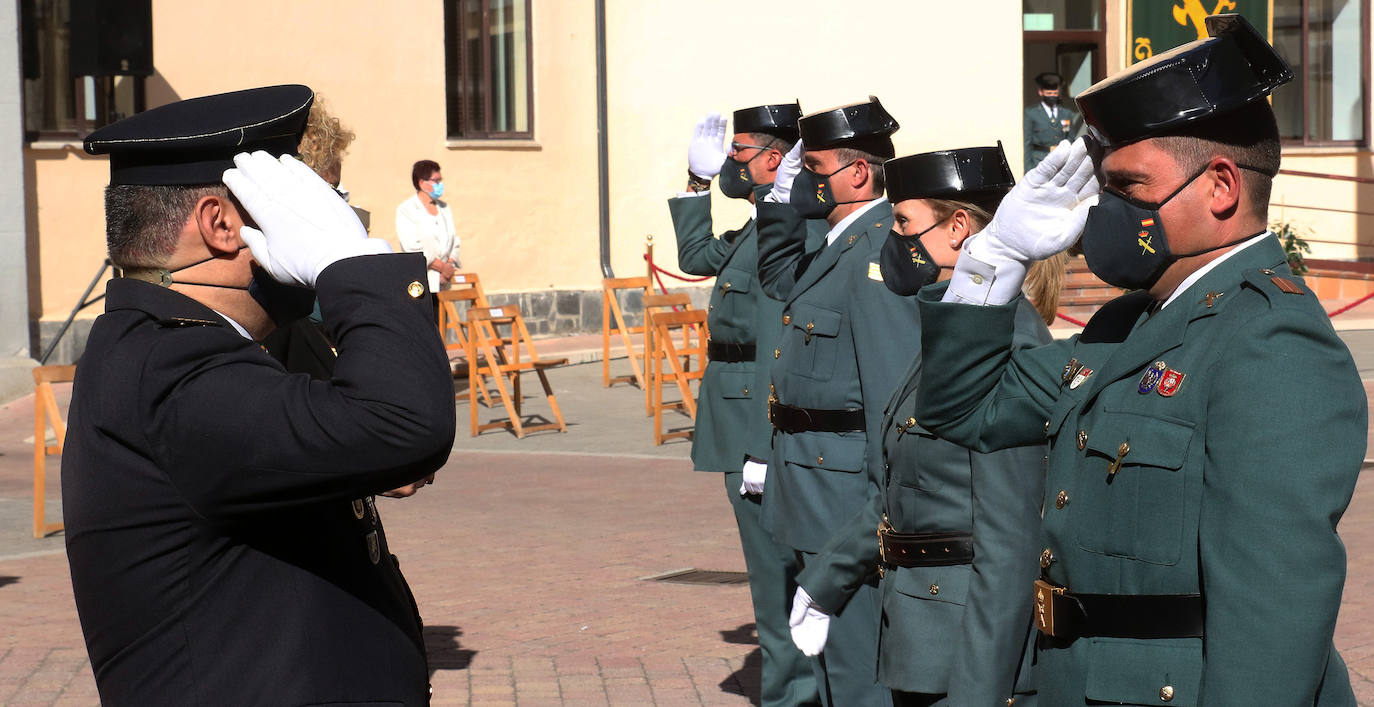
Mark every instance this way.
x=977 y=279
x=934 y=589
x=910 y=422
x=786 y=319
x=1047 y=426
x=1011 y=701
x=1265 y=271
x=1046 y=558
x=726 y=286
x=1082 y=439
x=710 y=308
x=777 y=353
x=820 y=460
x=810 y=326
x=1166 y=693
x=1062 y=499
x=415 y=290
x=746 y=391
x=1123 y=449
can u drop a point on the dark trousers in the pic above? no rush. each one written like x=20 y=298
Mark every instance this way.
x=788 y=678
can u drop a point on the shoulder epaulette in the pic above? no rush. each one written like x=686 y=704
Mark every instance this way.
x=183 y=322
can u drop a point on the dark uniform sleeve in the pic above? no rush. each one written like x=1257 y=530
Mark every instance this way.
x=1286 y=435
x=782 y=243
x=238 y=435
x=1008 y=487
x=699 y=252
x=978 y=389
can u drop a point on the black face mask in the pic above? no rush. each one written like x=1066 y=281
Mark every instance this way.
x=906 y=264
x=283 y=303
x=1124 y=241
x=811 y=195
x=735 y=180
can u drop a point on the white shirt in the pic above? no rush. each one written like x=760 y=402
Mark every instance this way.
x=1197 y=275
x=432 y=234
x=237 y=327
x=1051 y=111
x=838 y=228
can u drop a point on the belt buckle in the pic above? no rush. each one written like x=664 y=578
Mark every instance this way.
x=1044 y=605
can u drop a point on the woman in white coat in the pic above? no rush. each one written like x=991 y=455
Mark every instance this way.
x=424 y=224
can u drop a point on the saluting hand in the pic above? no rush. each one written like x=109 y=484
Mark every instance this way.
x=305 y=226
x=706 y=151
x=1045 y=213
x=788 y=170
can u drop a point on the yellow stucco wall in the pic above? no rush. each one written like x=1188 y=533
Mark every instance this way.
x=950 y=73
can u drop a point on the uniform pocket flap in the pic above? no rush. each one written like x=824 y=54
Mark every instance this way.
x=1140 y=440
x=1145 y=672
x=818 y=321
x=734 y=280
x=948 y=584
x=738 y=383
x=822 y=450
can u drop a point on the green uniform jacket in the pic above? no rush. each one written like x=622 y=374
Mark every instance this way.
x=1040 y=132
x=1231 y=487
x=847 y=341
x=960 y=629
x=732 y=402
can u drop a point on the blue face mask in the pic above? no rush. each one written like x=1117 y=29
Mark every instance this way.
x=438 y=191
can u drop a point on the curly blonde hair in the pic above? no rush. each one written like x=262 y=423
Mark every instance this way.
x=1045 y=278
x=324 y=142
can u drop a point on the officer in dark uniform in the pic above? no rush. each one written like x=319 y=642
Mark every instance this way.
x=956 y=529
x=1048 y=122
x=732 y=431
x=223 y=545
x=1206 y=429
x=848 y=339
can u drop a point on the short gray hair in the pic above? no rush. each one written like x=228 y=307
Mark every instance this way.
x=142 y=222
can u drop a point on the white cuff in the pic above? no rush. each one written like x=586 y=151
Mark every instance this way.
x=690 y=194
x=984 y=278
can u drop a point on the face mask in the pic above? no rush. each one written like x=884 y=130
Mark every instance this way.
x=811 y=195
x=1050 y=100
x=438 y=191
x=283 y=303
x=735 y=180
x=1124 y=241
x=906 y=264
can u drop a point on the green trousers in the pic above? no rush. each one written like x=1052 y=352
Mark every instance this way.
x=788 y=677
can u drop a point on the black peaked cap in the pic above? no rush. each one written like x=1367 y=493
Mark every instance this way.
x=839 y=126
x=1232 y=67
x=194 y=141
x=778 y=120
x=948 y=174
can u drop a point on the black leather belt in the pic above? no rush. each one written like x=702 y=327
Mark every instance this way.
x=1064 y=614
x=794 y=419
x=729 y=353
x=924 y=549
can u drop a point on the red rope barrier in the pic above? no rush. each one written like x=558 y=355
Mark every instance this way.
x=1351 y=306
x=674 y=275
x=1069 y=319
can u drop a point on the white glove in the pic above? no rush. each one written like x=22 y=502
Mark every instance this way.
x=810 y=625
x=1041 y=216
x=305 y=226
x=706 y=151
x=788 y=170
x=754 y=474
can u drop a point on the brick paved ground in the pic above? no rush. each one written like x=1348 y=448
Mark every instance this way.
x=526 y=559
